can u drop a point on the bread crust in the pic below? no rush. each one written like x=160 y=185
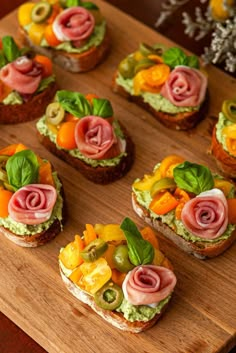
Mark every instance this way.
x=201 y=250
x=225 y=162
x=99 y=175
x=73 y=62
x=30 y=110
x=114 y=318
x=180 y=121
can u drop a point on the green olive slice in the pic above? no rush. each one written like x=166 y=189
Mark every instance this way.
x=109 y=297
x=143 y=64
x=54 y=113
x=162 y=184
x=41 y=11
x=145 y=49
x=121 y=259
x=229 y=110
x=94 y=250
x=126 y=67
x=3 y=174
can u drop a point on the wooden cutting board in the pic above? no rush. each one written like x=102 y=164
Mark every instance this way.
x=201 y=317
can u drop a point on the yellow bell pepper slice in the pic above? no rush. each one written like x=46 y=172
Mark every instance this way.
x=36 y=33
x=109 y=232
x=24 y=13
x=70 y=255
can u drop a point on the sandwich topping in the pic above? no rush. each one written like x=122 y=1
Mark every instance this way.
x=73 y=26
x=21 y=75
x=85 y=128
x=30 y=199
x=167 y=79
x=128 y=274
x=196 y=204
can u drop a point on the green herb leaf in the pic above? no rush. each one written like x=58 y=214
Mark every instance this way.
x=3 y=60
x=74 y=103
x=192 y=177
x=192 y=61
x=72 y=3
x=89 y=5
x=140 y=251
x=102 y=107
x=22 y=169
x=10 y=48
x=174 y=57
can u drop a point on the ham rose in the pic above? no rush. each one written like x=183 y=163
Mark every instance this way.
x=74 y=24
x=148 y=284
x=206 y=216
x=32 y=204
x=185 y=86
x=94 y=136
x=22 y=75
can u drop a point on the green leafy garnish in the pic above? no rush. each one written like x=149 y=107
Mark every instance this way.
x=74 y=103
x=102 y=107
x=176 y=56
x=89 y=5
x=22 y=169
x=194 y=178
x=72 y=3
x=10 y=48
x=140 y=251
x=3 y=60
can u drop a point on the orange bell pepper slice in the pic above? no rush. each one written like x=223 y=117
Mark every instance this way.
x=167 y=165
x=156 y=75
x=5 y=196
x=89 y=234
x=182 y=196
x=50 y=36
x=12 y=149
x=163 y=203
x=118 y=277
x=47 y=64
x=231 y=145
x=149 y=235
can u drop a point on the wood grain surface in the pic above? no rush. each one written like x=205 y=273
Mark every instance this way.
x=201 y=317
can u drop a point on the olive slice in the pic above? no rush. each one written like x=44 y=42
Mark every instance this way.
x=162 y=184
x=121 y=259
x=63 y=3
x=41 y=11
x=94 y=250
x=109 y=297
x=126 y=67
x=54 y=113
x=229 y=110
x=145 y=49
x=143 y=64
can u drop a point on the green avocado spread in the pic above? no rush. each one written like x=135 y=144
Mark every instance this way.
x=25 y=229
x=156 y=100
x=43 y=129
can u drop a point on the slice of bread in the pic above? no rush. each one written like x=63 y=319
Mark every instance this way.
x=98 y=282
x=160 y=198
x=29 y=110
x=179 y=121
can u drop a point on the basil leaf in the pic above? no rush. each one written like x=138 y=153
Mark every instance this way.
x=192 y=61
x=72 y=3
x=74 y=103
x=140 y=251
x=102 y=107
x=10 y=49
x=3 y=60
x=89 y=5
x=22 y=169
x=174 y=57
x=192 y=177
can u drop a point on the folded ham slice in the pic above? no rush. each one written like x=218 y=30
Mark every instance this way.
x=206 y=216
x=22 y=75
x=32 y=204
x=73 y=24
x=185 y=86
x=94 y=136
x=148 y=284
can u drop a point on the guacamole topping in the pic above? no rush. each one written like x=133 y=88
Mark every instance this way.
x=156 y=100
x=25 y=229
x=44 y=130
x=144 y=198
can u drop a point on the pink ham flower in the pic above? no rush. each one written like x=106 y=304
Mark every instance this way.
x=206 y=216
x=32 y=204
x=185 y=86
x=74 y=24
x=148 y=284
x=94 y=136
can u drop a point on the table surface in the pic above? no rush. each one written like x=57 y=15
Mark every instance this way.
x=201 y=317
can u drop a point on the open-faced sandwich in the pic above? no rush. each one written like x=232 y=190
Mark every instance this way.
x=82 y=131
x=223 y=146
x=190 y=205
x=27 y=83
x=73 y=33
x=120 y=273
x=31 y=197
x=166 y=82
